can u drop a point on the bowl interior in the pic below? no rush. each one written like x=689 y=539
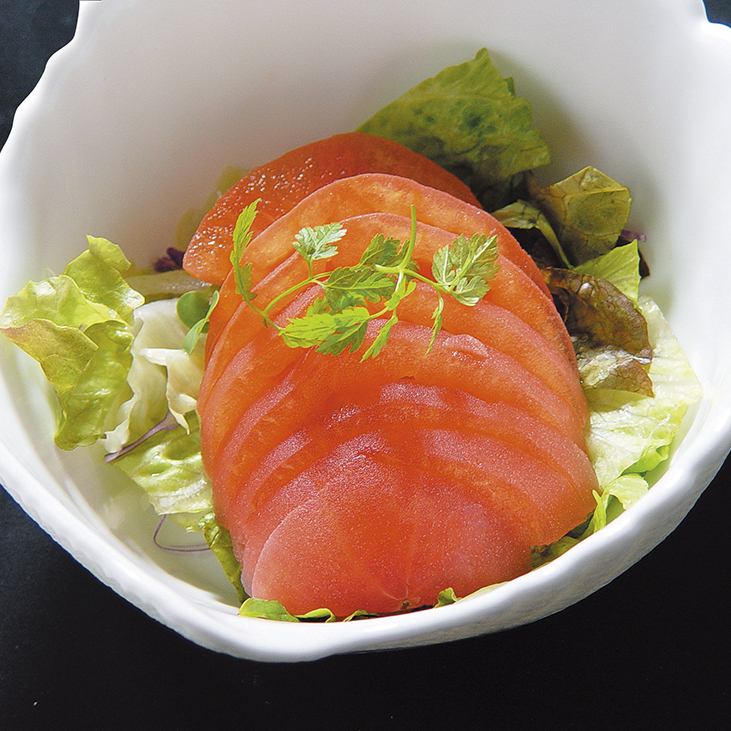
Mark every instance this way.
x=135 y=120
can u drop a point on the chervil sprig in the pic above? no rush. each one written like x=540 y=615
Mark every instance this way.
x=241 y=238
x=464 y=268
x=318 y=242
x=386 y=273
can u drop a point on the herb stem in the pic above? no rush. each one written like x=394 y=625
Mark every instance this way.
x=412 y=238
x=314 y=279
x=264 y=316
x=378 y=314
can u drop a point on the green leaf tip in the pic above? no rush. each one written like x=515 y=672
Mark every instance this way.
x=241 y=238
x=468 y=119
x=318 y=242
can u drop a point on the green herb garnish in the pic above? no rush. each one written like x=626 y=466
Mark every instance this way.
x=190 y=306
x=386 y=274
x=241 y=239
x=318 y=243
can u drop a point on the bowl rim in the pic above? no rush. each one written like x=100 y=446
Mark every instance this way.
x=313 y=641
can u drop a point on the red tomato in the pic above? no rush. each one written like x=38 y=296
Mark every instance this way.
x=284 y=182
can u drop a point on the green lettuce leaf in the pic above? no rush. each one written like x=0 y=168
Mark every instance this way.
x=87 y=408
x=162 y=377
x=219 y=541
x=596 y=309
x=446 y=596
x=631 y=433
x=169 y=468
x=272 y=609
x=525 y=216
x=620 y=266
x=626 y=491
x=166 y=462
x=616 y=497
x=98 y=274
x=166 y=284
x=76 y=325
x=588 y=211
x=266 y=609
x=58 y=300
x=468 y=120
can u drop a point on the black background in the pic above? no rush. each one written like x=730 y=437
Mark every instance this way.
x=649 y=650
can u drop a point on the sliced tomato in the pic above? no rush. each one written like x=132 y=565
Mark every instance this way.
x=540 y=475
x=361 y=195
x=243 y=432
x=510 y=289
x=284 y=182
x=384 y=538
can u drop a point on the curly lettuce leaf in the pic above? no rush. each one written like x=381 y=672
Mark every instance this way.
x=599 y=299
x=587 y=210
x=616 y=497
x=87 y=408
x=166 y=461
x=596 y=308
x=445 y=597
x=620 y=267
x=467 y=119
x=98 y=274
x=626 y=490
x=272 y=609
x=169 y=468
x=162 y=377
x=57 y=300
x=611 y=367
x=631 y=433
x=76 y=326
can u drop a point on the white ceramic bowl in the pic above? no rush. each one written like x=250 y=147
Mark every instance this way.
x=133 y=121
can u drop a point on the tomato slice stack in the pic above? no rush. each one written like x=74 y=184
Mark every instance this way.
x=375 y=485
x=284 y=182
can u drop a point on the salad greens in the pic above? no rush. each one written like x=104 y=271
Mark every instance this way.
x=169 y=468
x=525 y=216
x=588 y=211
x=122 y=349
x=620 y=267
x=272 y=609
x=630 y=433
x=77 y=325
x=161 y=377
x=468 y=119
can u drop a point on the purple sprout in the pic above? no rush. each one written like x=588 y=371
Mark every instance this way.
x=175 y=549
x=629 y=235
x=165 y=424
x=172 y=260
